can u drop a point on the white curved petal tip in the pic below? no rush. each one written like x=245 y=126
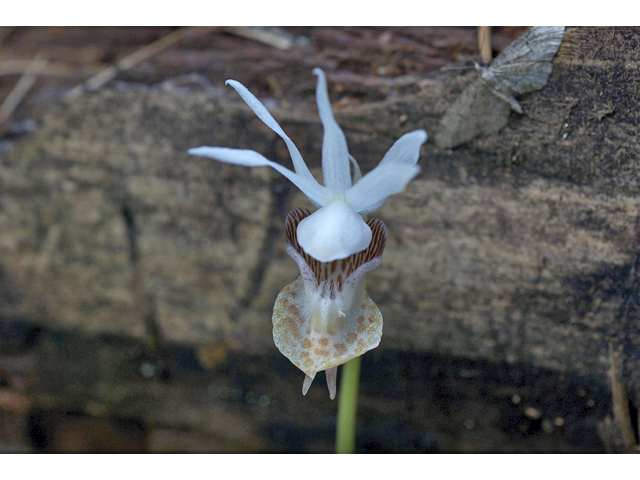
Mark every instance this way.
x=306 y=384
x=334 y=232
x=236 y=156
x=422 y=135
x=200 y=151
x=406 y=150
x=418 y=136
x=332 y=379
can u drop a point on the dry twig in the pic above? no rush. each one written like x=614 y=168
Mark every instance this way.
x=279 y=40
x=97 y=81
x=620 y=403
x=484 y=44
x=16 y=67
x=21 y=89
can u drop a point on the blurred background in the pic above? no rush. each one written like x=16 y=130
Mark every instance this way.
x=136 y=283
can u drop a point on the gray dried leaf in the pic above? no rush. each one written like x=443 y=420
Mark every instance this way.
x=522 y=67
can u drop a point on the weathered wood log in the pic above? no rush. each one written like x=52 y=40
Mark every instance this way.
x=519 y=248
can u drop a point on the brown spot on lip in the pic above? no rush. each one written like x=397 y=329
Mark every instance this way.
x=324 y=341
x=351 y=337
x=340 y=347
x=361 y=328
x=291 y=326
x=361 y=319
x=293 y=310
x=307 y=344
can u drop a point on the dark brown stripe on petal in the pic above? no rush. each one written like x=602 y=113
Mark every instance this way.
x=338 y=269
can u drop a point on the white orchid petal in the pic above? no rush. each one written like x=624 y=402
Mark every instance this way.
x=332 y=378
x=316 y=193
x=306 y=384
x=335 y=155
x=263 y=114
x=407 y=149
x=333 y=232
x=376 y=186
x=357 y=173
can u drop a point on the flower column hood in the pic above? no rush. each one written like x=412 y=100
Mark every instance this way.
x=337 y=229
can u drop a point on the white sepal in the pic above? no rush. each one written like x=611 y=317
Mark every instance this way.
x=406 y=150
x=373 y=189
x=316 y=193
x=263 y=114
x=306 y=383
x=335 y=155
x=332 y=379
x=357 y=173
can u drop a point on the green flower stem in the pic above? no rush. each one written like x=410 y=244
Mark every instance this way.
x=347 y=406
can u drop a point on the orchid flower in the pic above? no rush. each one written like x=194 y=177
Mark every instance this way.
x=325 y=317
x=337 y=229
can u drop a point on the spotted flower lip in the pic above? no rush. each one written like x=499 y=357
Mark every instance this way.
x=337 y=229
x=325 y=317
